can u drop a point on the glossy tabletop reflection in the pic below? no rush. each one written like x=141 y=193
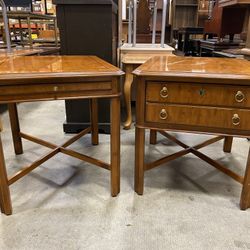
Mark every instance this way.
x=195 y=67
x=55 y=66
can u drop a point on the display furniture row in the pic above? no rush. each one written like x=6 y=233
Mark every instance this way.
x=195 y=95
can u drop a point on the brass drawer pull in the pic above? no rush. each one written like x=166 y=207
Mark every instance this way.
x=239 y=97
x=55 y=88
x=163 y=114
x=164 y=92
x=236 y=120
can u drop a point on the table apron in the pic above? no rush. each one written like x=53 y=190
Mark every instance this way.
x=194 y=129
x=21 y=93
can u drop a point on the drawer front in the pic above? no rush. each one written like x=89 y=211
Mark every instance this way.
x=53 y=91
x=199 y=94
x=198 y=116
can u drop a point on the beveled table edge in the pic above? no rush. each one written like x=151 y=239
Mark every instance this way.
x=183 y=74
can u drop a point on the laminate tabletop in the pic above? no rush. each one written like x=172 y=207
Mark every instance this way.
x=49 y=67
x=196 y=67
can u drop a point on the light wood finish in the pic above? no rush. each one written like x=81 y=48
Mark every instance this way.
x=200 y=116
x=55 y=68
x=197 y=70
x=5 y=200
x=139 y=140
x=153 y=136
x=132 y=57
x=115 y=146
x=127 y=94
x=27 y=169
x=227 y=147
x=139 y=160
x=1 y=125
x=166 y=159
x=200 y=95
x=15 y=128
x=219 y=166
x=94 y=121
x=245 y=196
x=52 y=78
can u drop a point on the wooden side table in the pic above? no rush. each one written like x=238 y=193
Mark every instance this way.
x=132 y=57
x=197 y=95
x=52 y=78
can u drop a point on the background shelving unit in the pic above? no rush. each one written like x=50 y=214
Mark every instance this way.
x=28 y=27
x=184 y=13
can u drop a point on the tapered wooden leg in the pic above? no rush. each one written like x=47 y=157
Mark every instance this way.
x=5 y=201
x=245 y=195
x=115 y=146
x=139 y=160
x=1 y=125
x=153 y=136
x=15 y=128
x=127 y=95
x=94 y=121
x=228 y=144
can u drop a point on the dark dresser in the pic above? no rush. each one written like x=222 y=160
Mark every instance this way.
x=87 y=27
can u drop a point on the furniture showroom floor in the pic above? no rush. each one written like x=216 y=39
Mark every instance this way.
x=66 y=204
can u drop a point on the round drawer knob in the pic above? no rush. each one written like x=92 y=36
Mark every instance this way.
x=164 y=92
x=163 y=114
x=236 y=120
x=239 y=97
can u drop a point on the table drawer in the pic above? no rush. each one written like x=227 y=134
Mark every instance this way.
x=52 y=91
x=199 y=94
x=198 y=116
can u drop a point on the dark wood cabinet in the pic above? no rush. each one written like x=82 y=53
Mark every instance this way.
x=225 y=21
x=87 y=27
x=225 y=3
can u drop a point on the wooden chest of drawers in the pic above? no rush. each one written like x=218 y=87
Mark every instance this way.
x=192 y=103
x=195 y=94
x=200 y=95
